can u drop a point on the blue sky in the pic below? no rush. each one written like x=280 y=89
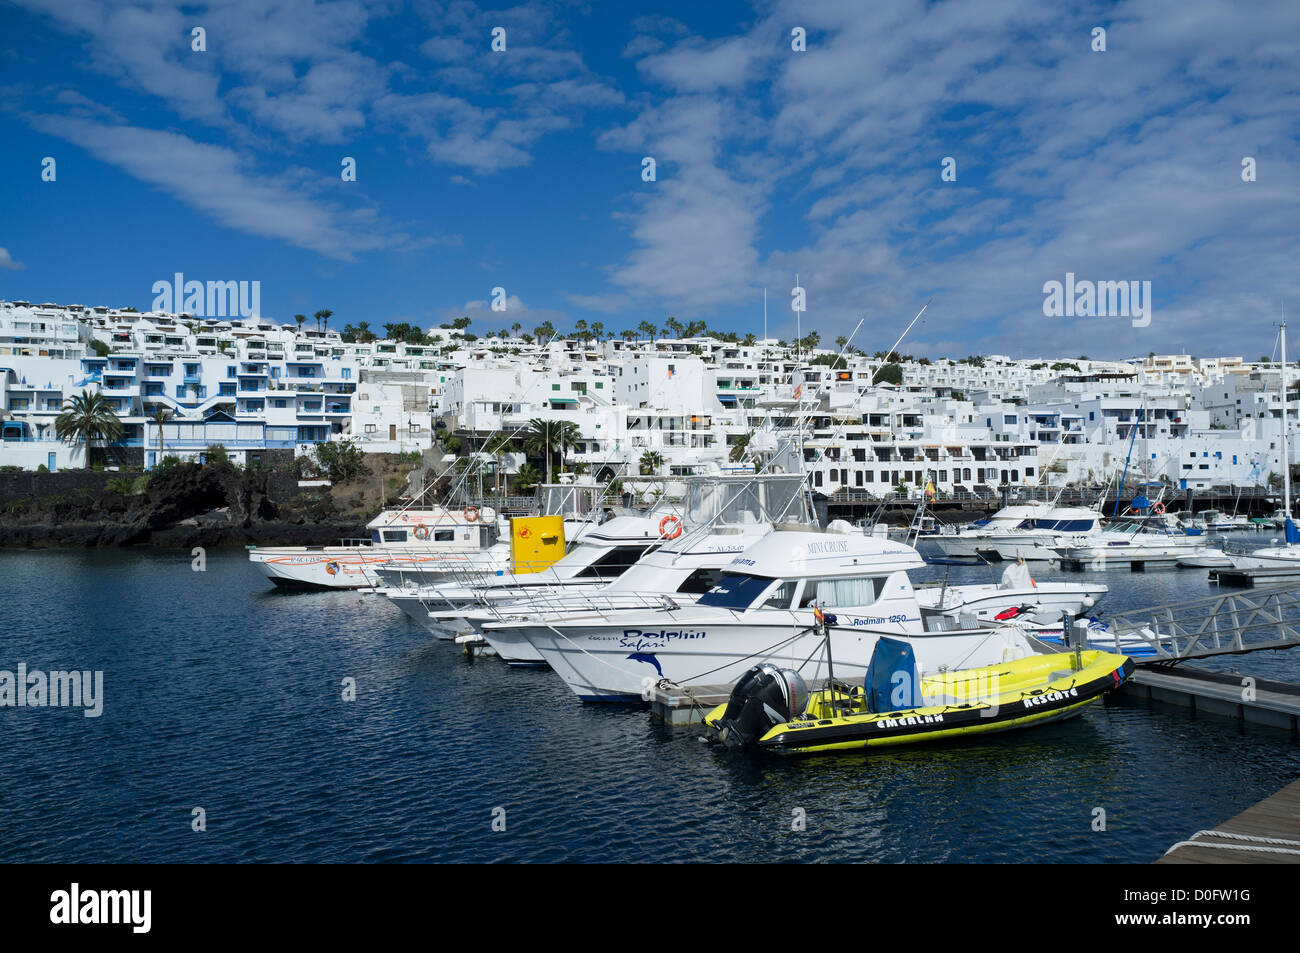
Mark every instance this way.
x=522 y=169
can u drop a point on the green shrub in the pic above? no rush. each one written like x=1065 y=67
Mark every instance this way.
x=340 y=460
x=217 y=453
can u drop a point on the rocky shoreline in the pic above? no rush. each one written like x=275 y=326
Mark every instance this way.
x=187 y=505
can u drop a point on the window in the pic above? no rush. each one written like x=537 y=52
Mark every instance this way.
x=444 y=535
x=830 y=593
x=701 y=581
x=781 y=596
x=370 y=428
x=614 y=563
x=394 y=535
x=737 y=591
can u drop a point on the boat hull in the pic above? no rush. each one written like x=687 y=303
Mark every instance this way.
x=1059 y=695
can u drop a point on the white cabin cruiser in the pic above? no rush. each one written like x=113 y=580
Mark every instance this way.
x=722 y=516
x=602 y=554
x=580 y=505
x=967 y=540
x=438 y=537
x=1040 y=602
x=1038 y=538
x=1133 y=543
x=764 y=609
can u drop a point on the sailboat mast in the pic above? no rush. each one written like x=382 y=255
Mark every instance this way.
x=1286 y=456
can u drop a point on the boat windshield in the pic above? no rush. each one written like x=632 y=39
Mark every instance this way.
x=737 y=591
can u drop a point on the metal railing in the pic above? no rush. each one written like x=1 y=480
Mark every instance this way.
x=1254 y=621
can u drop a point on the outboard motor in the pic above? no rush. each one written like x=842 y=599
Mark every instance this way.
x=764 y=697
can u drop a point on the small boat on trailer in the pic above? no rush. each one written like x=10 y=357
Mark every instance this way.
x=770 y=709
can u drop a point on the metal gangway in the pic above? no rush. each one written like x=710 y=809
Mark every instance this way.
x=1256 y=620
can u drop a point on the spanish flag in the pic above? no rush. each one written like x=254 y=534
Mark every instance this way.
x=817 y=614
x=929 y=489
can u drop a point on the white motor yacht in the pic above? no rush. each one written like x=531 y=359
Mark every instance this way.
x=601 y=555
x=1041 y=602
x=764 y=609
x=722 y=516
x=444 y=540
x=967 y=540
x=1038 y=538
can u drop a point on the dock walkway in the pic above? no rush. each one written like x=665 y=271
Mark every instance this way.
x=1268 y=833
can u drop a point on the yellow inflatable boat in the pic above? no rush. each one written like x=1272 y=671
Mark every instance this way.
x=770 y=709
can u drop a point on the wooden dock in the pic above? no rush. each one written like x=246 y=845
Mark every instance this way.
x=1268 y=833
x=1260 y=701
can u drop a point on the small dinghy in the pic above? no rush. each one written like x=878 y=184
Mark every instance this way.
x=771 y=708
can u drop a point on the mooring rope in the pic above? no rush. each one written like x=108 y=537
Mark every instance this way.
x=1253 y=843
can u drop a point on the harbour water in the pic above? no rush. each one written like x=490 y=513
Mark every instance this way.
x=223 y=694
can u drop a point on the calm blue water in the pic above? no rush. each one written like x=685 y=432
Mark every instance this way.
x=224 y=694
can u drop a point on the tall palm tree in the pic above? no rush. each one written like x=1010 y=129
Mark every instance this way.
x=545 y=437
x=675 y=326
x=160 y=416
x=544 y=331
x=88 y=417
x=300 y=318
x=648 y=329
x=323 y=318
x=597 y=330
x=580 y=330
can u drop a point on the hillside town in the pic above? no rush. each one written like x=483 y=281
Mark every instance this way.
x=665 y=402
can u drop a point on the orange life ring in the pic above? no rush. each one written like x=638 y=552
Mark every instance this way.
x=1158 y=508
x=677 y=527
x=471 y=514
x=421 y=532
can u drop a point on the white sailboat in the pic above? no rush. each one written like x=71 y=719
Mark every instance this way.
x=1288 y=554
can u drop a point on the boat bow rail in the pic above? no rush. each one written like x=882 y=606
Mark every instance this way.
x=1253 y=621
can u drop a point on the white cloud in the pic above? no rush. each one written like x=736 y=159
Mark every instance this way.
x=217 y=182
x=7 y=262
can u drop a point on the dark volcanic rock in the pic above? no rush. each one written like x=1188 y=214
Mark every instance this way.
x=187 y=505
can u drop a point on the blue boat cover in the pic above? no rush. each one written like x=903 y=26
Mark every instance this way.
x=1292 y=534
x=1140 y=503
x=891 y=683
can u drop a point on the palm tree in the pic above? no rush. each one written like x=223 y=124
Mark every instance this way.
x=648 y=329
x=580 y=330
x=750 y=340
x=160 y=416
x=597 y=330
x=650 y=463
x=739 y=447
x=88 y=417
x=300 y=318
x=323 y=318
x=516 y=328
x=544 y=437
x=544 y=331
x=675 y=326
